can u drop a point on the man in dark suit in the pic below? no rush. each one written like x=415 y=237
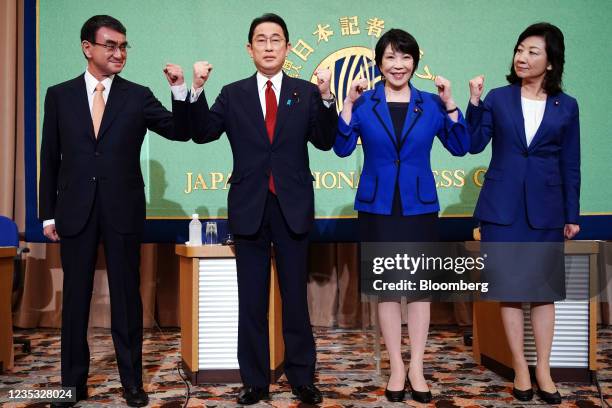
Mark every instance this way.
x=91 y=189
x=269 y=118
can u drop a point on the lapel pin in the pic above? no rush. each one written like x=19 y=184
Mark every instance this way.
x=296 y=97
x=289 y=101
x=556 y=103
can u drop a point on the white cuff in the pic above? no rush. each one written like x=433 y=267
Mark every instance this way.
x=179 y=92
x=195 y=94
x=46 y=223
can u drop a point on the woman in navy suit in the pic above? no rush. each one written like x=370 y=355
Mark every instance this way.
x=530 y=193
x=396 y=199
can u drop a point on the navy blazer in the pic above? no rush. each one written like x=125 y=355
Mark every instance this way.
x=387 y=163
x=302 y=117
x=548 y=169
x=75 y=166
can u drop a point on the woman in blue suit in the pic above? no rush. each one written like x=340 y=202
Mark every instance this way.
x=531 y=191
x=396 y=199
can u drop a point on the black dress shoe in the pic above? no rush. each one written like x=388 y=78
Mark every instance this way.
x=419 y=396
x=522 y=395
x=552 y=398
x=250 y=395
x=395 y=396
x=308 y=394
x=135 y=396
x=81 y=394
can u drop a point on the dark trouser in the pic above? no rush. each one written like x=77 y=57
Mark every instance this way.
x=78 y=254
x=253 y=264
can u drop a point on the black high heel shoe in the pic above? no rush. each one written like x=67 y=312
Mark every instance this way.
x=395 y=396
x=522 y=395
x=551 y=398
x=419 y=396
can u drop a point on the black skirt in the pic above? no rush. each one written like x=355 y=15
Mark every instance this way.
x=397 y=227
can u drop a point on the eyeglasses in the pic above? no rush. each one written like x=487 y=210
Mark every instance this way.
x=112 y=47
x=262 y=42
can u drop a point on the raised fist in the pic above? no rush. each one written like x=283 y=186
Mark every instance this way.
x=444 y=91
x=476 y=88
x=174 y=74
x=357 y=88
x=324 y=82
x=201 y=72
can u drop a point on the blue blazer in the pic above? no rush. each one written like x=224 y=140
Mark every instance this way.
x=548 y=170
x=387 y=163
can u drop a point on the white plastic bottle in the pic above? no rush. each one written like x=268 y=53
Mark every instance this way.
x=195 y=231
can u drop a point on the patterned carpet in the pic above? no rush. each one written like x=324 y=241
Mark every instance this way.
x=346 y=373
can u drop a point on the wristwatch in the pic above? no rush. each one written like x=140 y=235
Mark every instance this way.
x=330 y=100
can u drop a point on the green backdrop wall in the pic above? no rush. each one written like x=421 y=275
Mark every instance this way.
x=458 y=39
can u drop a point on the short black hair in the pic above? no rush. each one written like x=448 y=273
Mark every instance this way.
x=555 y=53
x=399 y=40
x=268 y=18
x=93 y=24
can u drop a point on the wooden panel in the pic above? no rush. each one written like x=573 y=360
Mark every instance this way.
x=6 y=316
x=490 y=332
x=206 y=251
x=188 y=284
x=275 y=322
x=475 y=337
x=581 y=247
x=8 y=252
x=570 y=248
x=189 y=302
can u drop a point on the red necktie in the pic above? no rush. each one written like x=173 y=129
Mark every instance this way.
x=271 y=109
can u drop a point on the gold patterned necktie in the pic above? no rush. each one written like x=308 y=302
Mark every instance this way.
x=97 y=108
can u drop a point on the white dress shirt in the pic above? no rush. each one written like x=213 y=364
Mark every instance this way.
x=262 y=80
x=90 y=84
x=533 y=112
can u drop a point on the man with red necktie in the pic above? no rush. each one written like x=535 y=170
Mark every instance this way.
x=269 y=118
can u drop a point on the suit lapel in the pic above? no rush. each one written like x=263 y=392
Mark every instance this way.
x=415 y=110
x=550 y=111
x=116 y=99
x=81 y=106
x=516 y=110
x=381 y=111
x=284 y=108
x=252 y=106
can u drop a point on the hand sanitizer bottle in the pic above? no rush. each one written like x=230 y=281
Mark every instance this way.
x=195 y=231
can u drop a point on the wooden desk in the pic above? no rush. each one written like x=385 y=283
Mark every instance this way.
x=7 y=254
x=209 y=315
x=574 y=353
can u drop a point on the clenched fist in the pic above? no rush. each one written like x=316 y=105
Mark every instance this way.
x=51 y=233
x=476 y=88
x=444 y=92
x=571 y=230
x=357 y=88
x=324 y=82
x=201 y=72
x=174 y=74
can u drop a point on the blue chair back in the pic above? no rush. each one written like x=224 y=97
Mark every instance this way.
x=9 y=234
